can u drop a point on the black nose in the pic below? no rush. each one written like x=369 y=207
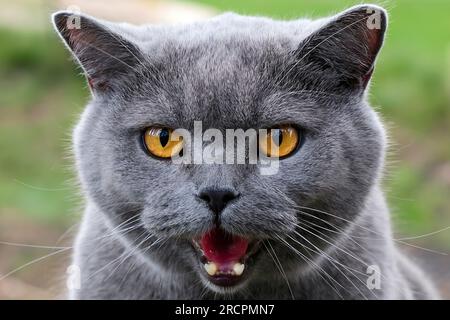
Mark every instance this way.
x=217 y=199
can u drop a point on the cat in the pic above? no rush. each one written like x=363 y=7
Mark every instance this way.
x=319 y=228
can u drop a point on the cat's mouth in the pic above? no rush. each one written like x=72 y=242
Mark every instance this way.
x=225 y=257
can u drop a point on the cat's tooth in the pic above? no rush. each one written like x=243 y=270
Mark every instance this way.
x=211 y=268
x=238 y=268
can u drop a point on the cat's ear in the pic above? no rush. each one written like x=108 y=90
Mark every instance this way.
x=105 y=56
x=342 y=53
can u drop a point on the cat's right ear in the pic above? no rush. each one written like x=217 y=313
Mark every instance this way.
x=105 y=56
x=341 y=54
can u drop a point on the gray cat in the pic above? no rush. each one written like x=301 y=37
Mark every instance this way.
x=319 y=228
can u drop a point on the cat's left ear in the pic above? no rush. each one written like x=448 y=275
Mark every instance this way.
x=106 y=57
x=342 y=53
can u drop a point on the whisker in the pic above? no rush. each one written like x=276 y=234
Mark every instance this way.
x=338 y=231
x=130 y=254
x=15 y=244
x=319 y=268
x=375 y=232
x=334 y=262
x=279 y=267
x=33 y=262
x=293 y=203
x=332 y=244
x=113 y=261
x=423 y=235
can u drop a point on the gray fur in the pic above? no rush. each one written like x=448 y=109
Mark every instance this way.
x=234 y=72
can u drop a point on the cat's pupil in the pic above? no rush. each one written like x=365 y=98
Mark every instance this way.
x=164 y=137
x=277 y=137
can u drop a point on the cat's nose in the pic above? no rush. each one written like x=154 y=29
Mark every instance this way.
x=217 y=199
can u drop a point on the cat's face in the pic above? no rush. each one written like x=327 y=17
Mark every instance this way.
x=228 y=222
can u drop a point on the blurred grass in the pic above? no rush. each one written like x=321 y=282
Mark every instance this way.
x=42 y=93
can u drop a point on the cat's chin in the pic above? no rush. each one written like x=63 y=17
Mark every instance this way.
x=225 y=261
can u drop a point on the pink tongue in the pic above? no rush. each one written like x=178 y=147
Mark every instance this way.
x=221 y=247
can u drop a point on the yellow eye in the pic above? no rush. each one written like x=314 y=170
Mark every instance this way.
x=280 y=142
x=162 y=142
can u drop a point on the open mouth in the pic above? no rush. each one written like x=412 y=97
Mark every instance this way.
x=225 y=257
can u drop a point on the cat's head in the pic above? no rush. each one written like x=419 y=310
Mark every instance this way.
x=228 y=222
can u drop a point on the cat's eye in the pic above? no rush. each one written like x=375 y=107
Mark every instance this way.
x=162 y=142
x=279 y=142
